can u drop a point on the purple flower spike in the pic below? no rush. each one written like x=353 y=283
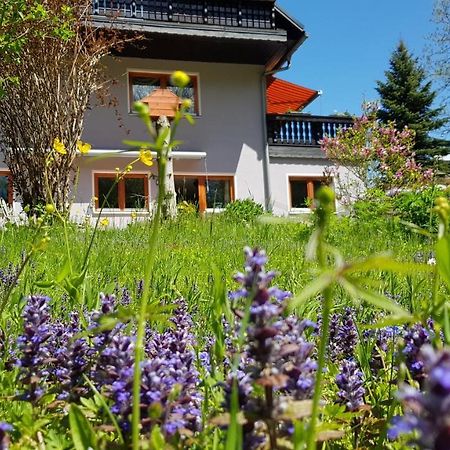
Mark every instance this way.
x=350 y=384
x=427 y=413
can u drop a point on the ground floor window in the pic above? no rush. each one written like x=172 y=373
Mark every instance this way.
x=130 y=192
x=6 y=187
x=302 y=190
x=207 y=192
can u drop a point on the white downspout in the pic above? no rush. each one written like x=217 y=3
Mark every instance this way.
x=266 y=157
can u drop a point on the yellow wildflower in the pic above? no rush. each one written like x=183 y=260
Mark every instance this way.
x=59 y=147
x=129 y=168
x=133 y=215
x=83 y=147
x=180 y=79
x=145 y=157
x=104 y=222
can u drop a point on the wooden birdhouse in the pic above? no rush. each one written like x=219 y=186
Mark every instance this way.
x=162 y=102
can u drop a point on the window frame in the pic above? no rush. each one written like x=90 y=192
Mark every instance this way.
x=121 y=190
x=309 y=179
x=164 y=78
x=202 y=179
x=7 y=173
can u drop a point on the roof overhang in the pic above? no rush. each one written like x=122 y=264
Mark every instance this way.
x=270 y=48
x=107 y=153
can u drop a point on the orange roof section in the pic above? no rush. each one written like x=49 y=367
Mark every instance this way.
x=283 y=96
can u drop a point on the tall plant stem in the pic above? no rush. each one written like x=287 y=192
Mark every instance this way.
x=140 y=333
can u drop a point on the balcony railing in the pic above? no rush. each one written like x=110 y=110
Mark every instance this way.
x=303 y=130
x=229 y=13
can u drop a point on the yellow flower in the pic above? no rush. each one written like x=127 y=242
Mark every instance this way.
x=129 y=168
x=180 y=79
x=104 y=222
x=83 y=147
x=133 y=215
x=145 y=157
x=59 y=147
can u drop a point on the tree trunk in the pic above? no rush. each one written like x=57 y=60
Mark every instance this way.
x=170 y=199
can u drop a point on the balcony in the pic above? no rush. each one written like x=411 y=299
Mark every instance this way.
x=253 y=14
x=298 y=135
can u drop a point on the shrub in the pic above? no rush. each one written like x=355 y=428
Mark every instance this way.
x=375 y=206
x=415 y=206
x=243 y=210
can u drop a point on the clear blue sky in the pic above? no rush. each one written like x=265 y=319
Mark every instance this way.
x=349 y=46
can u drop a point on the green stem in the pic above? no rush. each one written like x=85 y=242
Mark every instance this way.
x=324 y=332
x=140 y=333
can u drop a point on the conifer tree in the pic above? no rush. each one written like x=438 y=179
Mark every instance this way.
x=407 y=98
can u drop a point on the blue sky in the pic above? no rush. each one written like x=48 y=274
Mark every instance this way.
x=349 y=46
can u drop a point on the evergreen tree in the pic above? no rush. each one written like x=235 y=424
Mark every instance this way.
x=407 y=99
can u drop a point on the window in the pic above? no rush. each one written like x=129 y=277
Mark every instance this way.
x=142 y=84
x=212 y=192
x=302 y=190
x=6 y=187
x=130 y=192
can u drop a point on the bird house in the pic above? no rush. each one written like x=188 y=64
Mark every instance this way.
x=162 y=102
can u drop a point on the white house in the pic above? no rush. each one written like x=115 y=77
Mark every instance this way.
x=240 y=146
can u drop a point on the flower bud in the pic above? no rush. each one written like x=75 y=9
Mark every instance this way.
x=180 y=79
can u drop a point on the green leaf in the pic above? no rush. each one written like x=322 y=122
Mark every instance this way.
x=83 y=435
x=64 y=272
x=157 y=441
x=387 y=263
x=357 y=292
x=139 y=144
x=190 y=119
x=312 y=289
x=44 y=284
x=443 y=258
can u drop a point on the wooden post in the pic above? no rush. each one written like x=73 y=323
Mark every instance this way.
x=170 y=199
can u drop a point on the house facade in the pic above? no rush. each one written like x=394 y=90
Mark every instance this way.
x=246 y=142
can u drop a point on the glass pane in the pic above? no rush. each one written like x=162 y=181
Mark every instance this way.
x=187 y=190
x=4 y=187
x=104 y=185
x=142 y=86
x=217 y=193
x=186 y=92
x=135 y=193
x=299 y=194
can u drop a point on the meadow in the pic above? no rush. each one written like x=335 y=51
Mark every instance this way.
x=216 y=373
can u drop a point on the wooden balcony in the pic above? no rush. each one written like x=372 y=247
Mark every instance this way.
x=249 y=14
x=303 y=130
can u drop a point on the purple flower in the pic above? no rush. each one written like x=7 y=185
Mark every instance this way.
x=427 y=413
x=350 y=384
x=5 y=429
x=34 y=354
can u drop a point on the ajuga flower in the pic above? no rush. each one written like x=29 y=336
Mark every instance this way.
x=350 y=384
x=427 y=413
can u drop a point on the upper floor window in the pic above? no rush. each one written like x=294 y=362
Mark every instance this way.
x=6 y=187
x=303 y=190
x=130 y=192
x=141 y=84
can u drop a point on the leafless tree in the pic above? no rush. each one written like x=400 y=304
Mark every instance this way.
x=47 y=92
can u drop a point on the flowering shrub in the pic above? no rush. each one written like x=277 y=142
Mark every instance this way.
x=378 y=156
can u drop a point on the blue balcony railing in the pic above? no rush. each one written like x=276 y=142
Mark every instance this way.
x=303 y=130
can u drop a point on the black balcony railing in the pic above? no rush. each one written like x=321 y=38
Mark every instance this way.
x=234 y=13
x=303 y=130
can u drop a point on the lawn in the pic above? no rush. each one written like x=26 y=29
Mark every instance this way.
x=67 y=363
